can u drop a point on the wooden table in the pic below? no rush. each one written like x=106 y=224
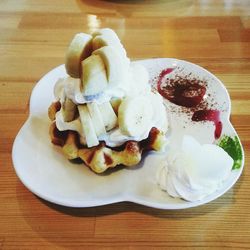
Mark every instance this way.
x=33 y=37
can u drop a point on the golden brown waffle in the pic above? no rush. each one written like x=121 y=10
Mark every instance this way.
x=102 y=157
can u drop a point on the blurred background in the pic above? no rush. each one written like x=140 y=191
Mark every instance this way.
x=185 y=29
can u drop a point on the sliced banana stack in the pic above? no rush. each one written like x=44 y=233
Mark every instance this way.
x=97 y=65
x=98 y=60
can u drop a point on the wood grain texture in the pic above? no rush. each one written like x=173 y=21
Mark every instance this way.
x=33 y=38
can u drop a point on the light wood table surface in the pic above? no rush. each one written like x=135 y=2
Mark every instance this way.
x=34 y=35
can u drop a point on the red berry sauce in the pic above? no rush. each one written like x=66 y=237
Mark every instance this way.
x=186 y=92
x=189 y=92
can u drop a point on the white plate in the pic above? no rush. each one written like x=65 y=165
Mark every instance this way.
x=43 y=169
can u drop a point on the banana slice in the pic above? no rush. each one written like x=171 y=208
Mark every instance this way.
x=69 y=110
x=96 y=118
x=108 y=115
x=135 y=115
x=87 y=126
x=113 y=62
x=94 y=78
x=79 y=49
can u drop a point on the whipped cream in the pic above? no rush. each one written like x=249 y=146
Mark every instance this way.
x=115 y=137
x=194 y=171
x=134 y=82
x=71 y=88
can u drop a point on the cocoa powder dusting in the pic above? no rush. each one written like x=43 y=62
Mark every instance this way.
x=186 y=90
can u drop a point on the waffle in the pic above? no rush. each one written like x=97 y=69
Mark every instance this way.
x=100 y=158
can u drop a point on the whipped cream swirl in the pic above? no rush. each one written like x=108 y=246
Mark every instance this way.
x=194 y=171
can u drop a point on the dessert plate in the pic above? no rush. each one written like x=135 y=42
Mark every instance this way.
x=45 y=171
